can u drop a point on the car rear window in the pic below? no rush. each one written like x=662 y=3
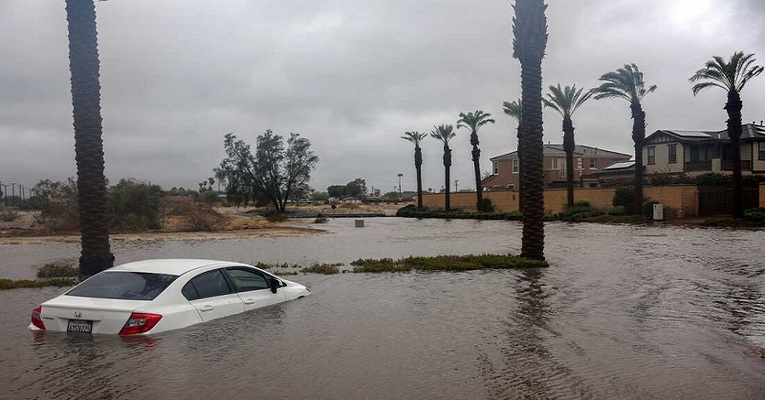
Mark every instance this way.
x=123 y=285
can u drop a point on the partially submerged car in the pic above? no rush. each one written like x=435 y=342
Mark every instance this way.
x=153 y=296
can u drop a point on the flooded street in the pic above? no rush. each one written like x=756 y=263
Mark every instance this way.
x=623 y=312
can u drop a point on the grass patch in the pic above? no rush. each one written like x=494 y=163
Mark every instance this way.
x=6 y=284
x=55 y=270
x=282 y=266
x=322 y=268
x=446 y=263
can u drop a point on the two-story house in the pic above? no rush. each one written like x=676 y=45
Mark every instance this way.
x=698 y=152
x=587 y=159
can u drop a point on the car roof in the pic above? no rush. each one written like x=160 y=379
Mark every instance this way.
x=170 y=266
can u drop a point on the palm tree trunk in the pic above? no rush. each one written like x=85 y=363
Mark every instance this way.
x=477 y=169
x=638 y=137
x=418 y=167
x=447 y=165
x=521 y=176
x=530 y=32
x=733 y=107
x=568 y=147
x=96 y=253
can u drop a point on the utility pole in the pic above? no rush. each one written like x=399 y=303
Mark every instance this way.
x=399 y=186
x=13 y=193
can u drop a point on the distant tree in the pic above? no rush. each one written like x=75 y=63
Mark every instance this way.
x=627 y=83
x=320 y=196
x=416 y=138
x=274 y=172
x=96 y=254
x=566 y=101
x=57 y=202
x=474 y=121
x=338 y=191
x=357 y=188
x=730 y=76
x=529 y=43
x=444 y=133
x=134 y=206
x=515 y=110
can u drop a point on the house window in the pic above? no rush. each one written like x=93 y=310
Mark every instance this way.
x=651 y=155
x=515 y=165
x=593 y=163
x=762 y=151
x=558 y=163
x=495 y=166
x=672 y=154
x=699 y=153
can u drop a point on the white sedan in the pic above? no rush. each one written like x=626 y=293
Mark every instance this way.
x=158 y=295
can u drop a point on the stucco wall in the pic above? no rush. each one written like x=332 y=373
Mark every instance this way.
x=682 y=198
x=762 y=195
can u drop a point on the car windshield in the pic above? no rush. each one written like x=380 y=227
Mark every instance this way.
x=123 y=285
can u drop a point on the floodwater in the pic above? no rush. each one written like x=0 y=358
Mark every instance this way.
x=623 y=312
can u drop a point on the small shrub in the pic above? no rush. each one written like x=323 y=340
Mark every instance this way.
x=617 y=219
x=321 y=219
x=755 y=214
x=54 y=270
x=275 y=217
x=486 y=205
x=582 y=203
x=712 y=179
x=322 y=268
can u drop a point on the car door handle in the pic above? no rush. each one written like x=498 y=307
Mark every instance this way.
x=206 y=308
x=249 y=301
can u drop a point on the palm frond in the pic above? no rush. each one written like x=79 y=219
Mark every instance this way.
x=513 y=109
x=731 y=75
x=474 y=120
x=443 y=133
x=414 y=137
x=625 y=83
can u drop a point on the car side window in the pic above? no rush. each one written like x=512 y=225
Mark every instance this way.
x=246 y=279
x=208 y=284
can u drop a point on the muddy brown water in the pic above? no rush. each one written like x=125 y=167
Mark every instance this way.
x=623 y=312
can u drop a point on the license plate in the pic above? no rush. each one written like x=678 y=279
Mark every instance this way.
x=80 y=326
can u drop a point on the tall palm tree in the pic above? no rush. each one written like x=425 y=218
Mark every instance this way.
x=730 y=76
x=566 y=101
x=444 y=133
x=529 y=43
x=474 y=121
x=96 y=252
x=627 y=83
x=515 y=110
x=417 y=137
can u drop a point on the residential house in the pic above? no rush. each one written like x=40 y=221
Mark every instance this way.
x=587 y=160
x=698 y=152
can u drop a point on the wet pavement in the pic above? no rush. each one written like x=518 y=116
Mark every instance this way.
x=623 y=312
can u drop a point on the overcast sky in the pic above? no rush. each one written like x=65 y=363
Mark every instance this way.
x=350 y=75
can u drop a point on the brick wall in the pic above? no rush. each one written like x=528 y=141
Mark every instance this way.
x=762 y=195
x=682 y=198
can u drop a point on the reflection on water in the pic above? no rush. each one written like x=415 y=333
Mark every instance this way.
x=624 y=312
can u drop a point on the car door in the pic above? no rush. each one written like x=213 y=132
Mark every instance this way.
x=254 y=287
x=212 y=295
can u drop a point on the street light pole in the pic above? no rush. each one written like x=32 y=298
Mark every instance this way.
x=13 y=193
x=399 y=186
x=456 y=185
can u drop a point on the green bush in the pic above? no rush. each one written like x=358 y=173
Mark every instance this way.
x=486 y=205
x=625 y=197
x=446 y=263
x=134 y=206
x=712 y=179
x=618 y=210
x=6 y=284
x=322 y=268
x=7 y=214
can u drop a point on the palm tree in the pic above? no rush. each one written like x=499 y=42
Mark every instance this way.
x=730 y=76
x=475 y=120
x=89 y=150
x=566 y=101
x=529 y=42
x=514 y=110
x=416 y=137
x=627 y=83
x=444 y=133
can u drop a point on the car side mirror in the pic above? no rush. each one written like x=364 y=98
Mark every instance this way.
x=274 y=284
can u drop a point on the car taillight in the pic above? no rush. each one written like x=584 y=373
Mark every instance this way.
x=36 y=319
x=140 y=323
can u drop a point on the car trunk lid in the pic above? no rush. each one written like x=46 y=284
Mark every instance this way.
x=83 y=314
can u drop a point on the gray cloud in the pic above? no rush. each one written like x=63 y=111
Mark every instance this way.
x=351 y=76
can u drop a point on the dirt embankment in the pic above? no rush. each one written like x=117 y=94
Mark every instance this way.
x=235 y=223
